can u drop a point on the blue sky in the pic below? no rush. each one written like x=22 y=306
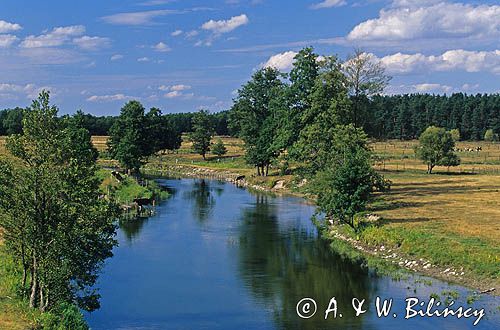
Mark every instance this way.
x=183 y=55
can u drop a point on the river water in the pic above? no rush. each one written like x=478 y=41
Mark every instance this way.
x=216 y=256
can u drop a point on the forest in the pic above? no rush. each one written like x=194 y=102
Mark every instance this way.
x=402 y=117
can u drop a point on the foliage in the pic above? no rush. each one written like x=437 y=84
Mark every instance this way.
x=436 y=148
x=297 y=97
x=63 y=317
x=329 y=106
x=11 y=121
x=203 y=130
x=490 y=136
x=135 y=135
x=365 y=76
x=407 y=116
x=345 y=184
x=455 y=134
x=219 y=148
x=52 y=214
x=254 y=113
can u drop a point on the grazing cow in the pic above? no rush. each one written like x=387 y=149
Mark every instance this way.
x=141 y=202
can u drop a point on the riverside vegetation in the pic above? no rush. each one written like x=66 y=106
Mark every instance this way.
x=305 y=132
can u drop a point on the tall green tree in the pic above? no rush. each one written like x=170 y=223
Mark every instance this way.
x=346 y=183
x=161 y=133
x=296 y=97
x=128 y=137
x=365 y=77
x=436 y=148
x=136 y=135
x=254 y=113
x=203 y=130
x=329 y=107
x=54 y=222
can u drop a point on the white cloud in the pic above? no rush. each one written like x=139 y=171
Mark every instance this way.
x=224 y=26
x=116 y=57
x=48 y=55
x=176 y=91
x=137 y=18
x=29 y=91
x=427 y=88
x=143 y=59
x=180 y=87
x=6 y=40
x=162 y=47
x=178 y=94
x=192 y=33
x=9 y=27
x=109 y=98
x=56 y=37
x=458 y=59
x=91 y=43
x=328 y=4
x=176 y=33
x=282 y=61
x=407 y=20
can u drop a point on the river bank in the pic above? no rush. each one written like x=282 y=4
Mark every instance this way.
x=14 y=311
x=376 y=244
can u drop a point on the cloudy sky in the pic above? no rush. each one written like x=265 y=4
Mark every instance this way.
x=183 y=55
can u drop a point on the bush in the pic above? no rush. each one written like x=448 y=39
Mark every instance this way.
x=64 y=317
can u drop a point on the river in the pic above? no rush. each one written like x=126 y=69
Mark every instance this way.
x=215 y=256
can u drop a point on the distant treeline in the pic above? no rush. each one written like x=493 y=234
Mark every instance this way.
x=407 y=116
x=11 y=122
x=384 y=117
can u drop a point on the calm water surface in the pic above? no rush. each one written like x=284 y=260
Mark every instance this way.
x=219 y=257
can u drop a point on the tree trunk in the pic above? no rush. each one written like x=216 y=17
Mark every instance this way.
x=34 y=284
x=258 y=170
x=267 y=169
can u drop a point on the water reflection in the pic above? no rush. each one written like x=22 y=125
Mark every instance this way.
x=280 y=266
x=202 y=198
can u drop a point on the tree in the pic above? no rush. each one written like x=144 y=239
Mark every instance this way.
x=295 y=98
x=329 y=107
x=53 y=221
x=455 y=134
x=135 y=135
x=345 y=185
x=219 y=148
x=12 y=121
x=203 y=130
x=254 y=113
x=128 y=137
x=161 y=134
x=436 y=148
x=365 y=77
x=490 y=136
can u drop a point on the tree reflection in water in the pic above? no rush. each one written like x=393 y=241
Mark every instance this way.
x=280 y=267
x=202 y=196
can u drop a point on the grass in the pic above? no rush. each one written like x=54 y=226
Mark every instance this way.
x=14 y=312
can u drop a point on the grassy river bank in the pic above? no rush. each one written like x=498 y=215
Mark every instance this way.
x=14 y=311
